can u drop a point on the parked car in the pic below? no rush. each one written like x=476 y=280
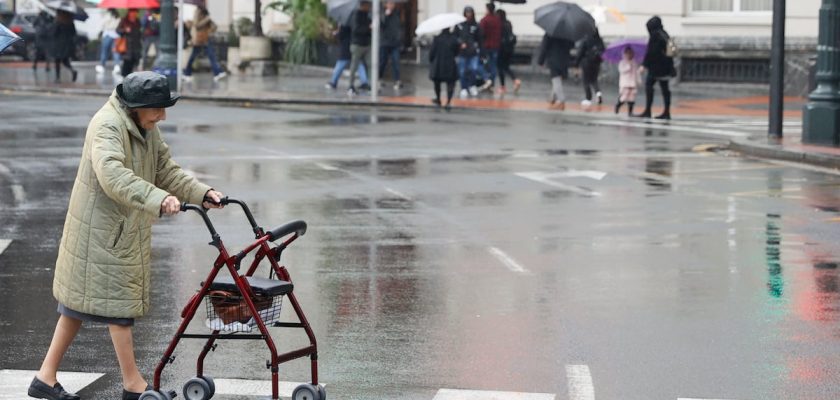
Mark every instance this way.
x=23 y=25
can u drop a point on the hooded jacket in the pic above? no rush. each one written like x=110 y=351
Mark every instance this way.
x=469 y=35
x=656 y=59
x=104 y=259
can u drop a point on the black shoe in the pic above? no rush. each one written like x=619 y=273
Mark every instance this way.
x=618 y=106
x=645 y=114
x=630 y=106
x=352 y=91
x=75 y=75
x=447 y=107
x=364 y=86
x=666 y=115
x=133 y=396
x=41 y=390
x=436 y=102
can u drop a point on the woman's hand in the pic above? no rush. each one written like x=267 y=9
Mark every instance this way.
x=170 y=206
x=215 y=196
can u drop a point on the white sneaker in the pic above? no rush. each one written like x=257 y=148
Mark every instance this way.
x=464 y=93
x=187 y=78
x=100 y=69
x=117 y=69
x=398 y=85
x=473 y=91
x=487 y=84
x=585 y=104
x=220 y=76
x=600 y=98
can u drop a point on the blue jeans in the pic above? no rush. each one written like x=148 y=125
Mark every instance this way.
x=106 y=47
x=471 y=63
x=492 y=63
x=392 y=53
x=340 y=66
x=211 y=54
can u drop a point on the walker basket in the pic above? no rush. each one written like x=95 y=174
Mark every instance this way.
x=228 y=312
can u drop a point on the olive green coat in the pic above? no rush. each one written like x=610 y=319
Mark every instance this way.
x=103 y=265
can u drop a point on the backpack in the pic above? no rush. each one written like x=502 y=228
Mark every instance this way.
x=671 y=49
x=508 y=39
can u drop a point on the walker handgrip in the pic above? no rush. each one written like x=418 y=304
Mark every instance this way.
x=187 y=206
x=298 y=227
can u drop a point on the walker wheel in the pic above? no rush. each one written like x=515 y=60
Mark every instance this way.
x=322 y=392
x=306 y=391
x=153 y=395
x=197 y=389
x=209 y=380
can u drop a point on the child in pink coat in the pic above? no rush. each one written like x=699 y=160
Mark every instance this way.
x=628 y=79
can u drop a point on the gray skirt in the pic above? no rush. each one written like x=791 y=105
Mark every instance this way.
x=63 y=310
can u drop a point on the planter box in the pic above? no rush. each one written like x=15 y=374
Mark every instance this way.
x=253 y=48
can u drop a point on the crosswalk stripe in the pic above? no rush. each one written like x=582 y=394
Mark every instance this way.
x=686 y=398
x=14 y=383
x=4 y=244
x=580 y=384
x=457 y=394
x=248 y=387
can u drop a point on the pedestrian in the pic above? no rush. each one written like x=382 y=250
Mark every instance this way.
x=202 y=28
x=628 y=79
x=44 y=25
x=589 y=59
x=442 y=65
x=63 y=43
x=132 y=37
x=491 y=30
x=126 y=179
x=360 y=35
x=468 y=34
x=151 y=37
x=389 y=50
x=554 y=53
x=109 y=35
x=343 y=35
x=659 y=67
x=506 y=54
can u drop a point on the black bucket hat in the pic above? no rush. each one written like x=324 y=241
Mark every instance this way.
x=146 y=89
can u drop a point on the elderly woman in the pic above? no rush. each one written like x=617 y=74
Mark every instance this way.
x=126 y=179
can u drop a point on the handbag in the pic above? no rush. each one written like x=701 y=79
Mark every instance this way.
x=121 y=45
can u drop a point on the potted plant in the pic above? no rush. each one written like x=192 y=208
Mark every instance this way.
x=234 y=58
x=310 y=27
x=255 y=46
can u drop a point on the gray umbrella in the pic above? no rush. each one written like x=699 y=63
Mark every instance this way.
x=342 y=10
x=68 y=6
x=7 y=37
x=564 y=21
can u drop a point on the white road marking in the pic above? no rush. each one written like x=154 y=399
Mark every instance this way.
x=580 y=382
x=4 y=244
x=247 y=387
x=675 y=128
x=544 y=178
x=687 y=398
x=15 y=383
x=573 y=173
x=398 y=194
x=18 y=193
x=456 y=394
x=326 y=166
x=507 y=260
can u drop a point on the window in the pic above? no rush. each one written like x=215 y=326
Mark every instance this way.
x=731 y=5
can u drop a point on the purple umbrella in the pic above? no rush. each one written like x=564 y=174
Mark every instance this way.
x=615 y=51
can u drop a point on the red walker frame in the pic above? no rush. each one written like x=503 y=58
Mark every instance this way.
x=297 y=229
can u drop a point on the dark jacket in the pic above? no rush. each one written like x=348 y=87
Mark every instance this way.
x=131 y=31
x=63 y=40
x=343 y=36
x=442 y=55
x=43 y=29
x=468 y=33
x=361 y=30
x=590 y=51
x=508 y=38
x=656 y=61
x=152 y=26
x=491 y=28
x=392 y=29
x=554 y=52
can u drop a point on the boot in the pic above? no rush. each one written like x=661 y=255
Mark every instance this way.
x=665 y=115
x=630 y=106
x=618 y=106
x=644 y=114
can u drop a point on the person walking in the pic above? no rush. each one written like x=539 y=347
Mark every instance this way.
x=44 y=25
x=151 y=37
x=129 y=30
x=63 y=43
x=110 y=22
x=389 y=50
x=491 y=30
x=201 y=31
x=506 y=54
x=442 y=65
x=589 y=59
x=343 y=35
x=126 y=179
x=360 y=36
x=554 y=53
x=628 y=78
x=469 y=38
x=659 y=67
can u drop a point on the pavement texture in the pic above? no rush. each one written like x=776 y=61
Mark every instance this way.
x=536 y=255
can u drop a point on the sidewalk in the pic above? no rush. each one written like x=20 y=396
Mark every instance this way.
x=305 y=85
x=790 y=148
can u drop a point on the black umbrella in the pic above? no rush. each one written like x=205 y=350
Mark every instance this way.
x=564 y=21
x=511 y=1
x=68 y=6
x=7 y=37
x=341 y=10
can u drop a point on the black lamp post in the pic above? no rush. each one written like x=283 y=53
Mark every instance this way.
x=821 y=119
x=167 y=61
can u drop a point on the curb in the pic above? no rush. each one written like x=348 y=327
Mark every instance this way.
x=776 y=152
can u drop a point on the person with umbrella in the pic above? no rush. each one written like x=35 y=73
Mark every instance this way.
x=469 y=40
x=109 y=35
x=43 y=38
x=151 y=37
x=659 y=67
x=628 y=79
x=343 y=35
x=63 y=43
x=126 y=179
x=442 y=65
x=555 y=54
x=389 y=50
x=589 y=59
x=360 y=37
x=130 y=31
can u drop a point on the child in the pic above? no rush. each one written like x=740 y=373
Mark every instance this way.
x=442 y=66
x=628 y=71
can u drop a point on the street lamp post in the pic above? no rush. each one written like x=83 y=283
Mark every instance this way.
x=821 y=119
x=777 y=71
x=167 y=62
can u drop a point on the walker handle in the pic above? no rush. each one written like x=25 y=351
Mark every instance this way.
x=200 y=211
x=297 y=227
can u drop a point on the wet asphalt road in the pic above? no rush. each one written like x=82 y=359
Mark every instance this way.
x=467 y=250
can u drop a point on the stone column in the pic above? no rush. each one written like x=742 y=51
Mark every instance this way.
x=821 y=118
